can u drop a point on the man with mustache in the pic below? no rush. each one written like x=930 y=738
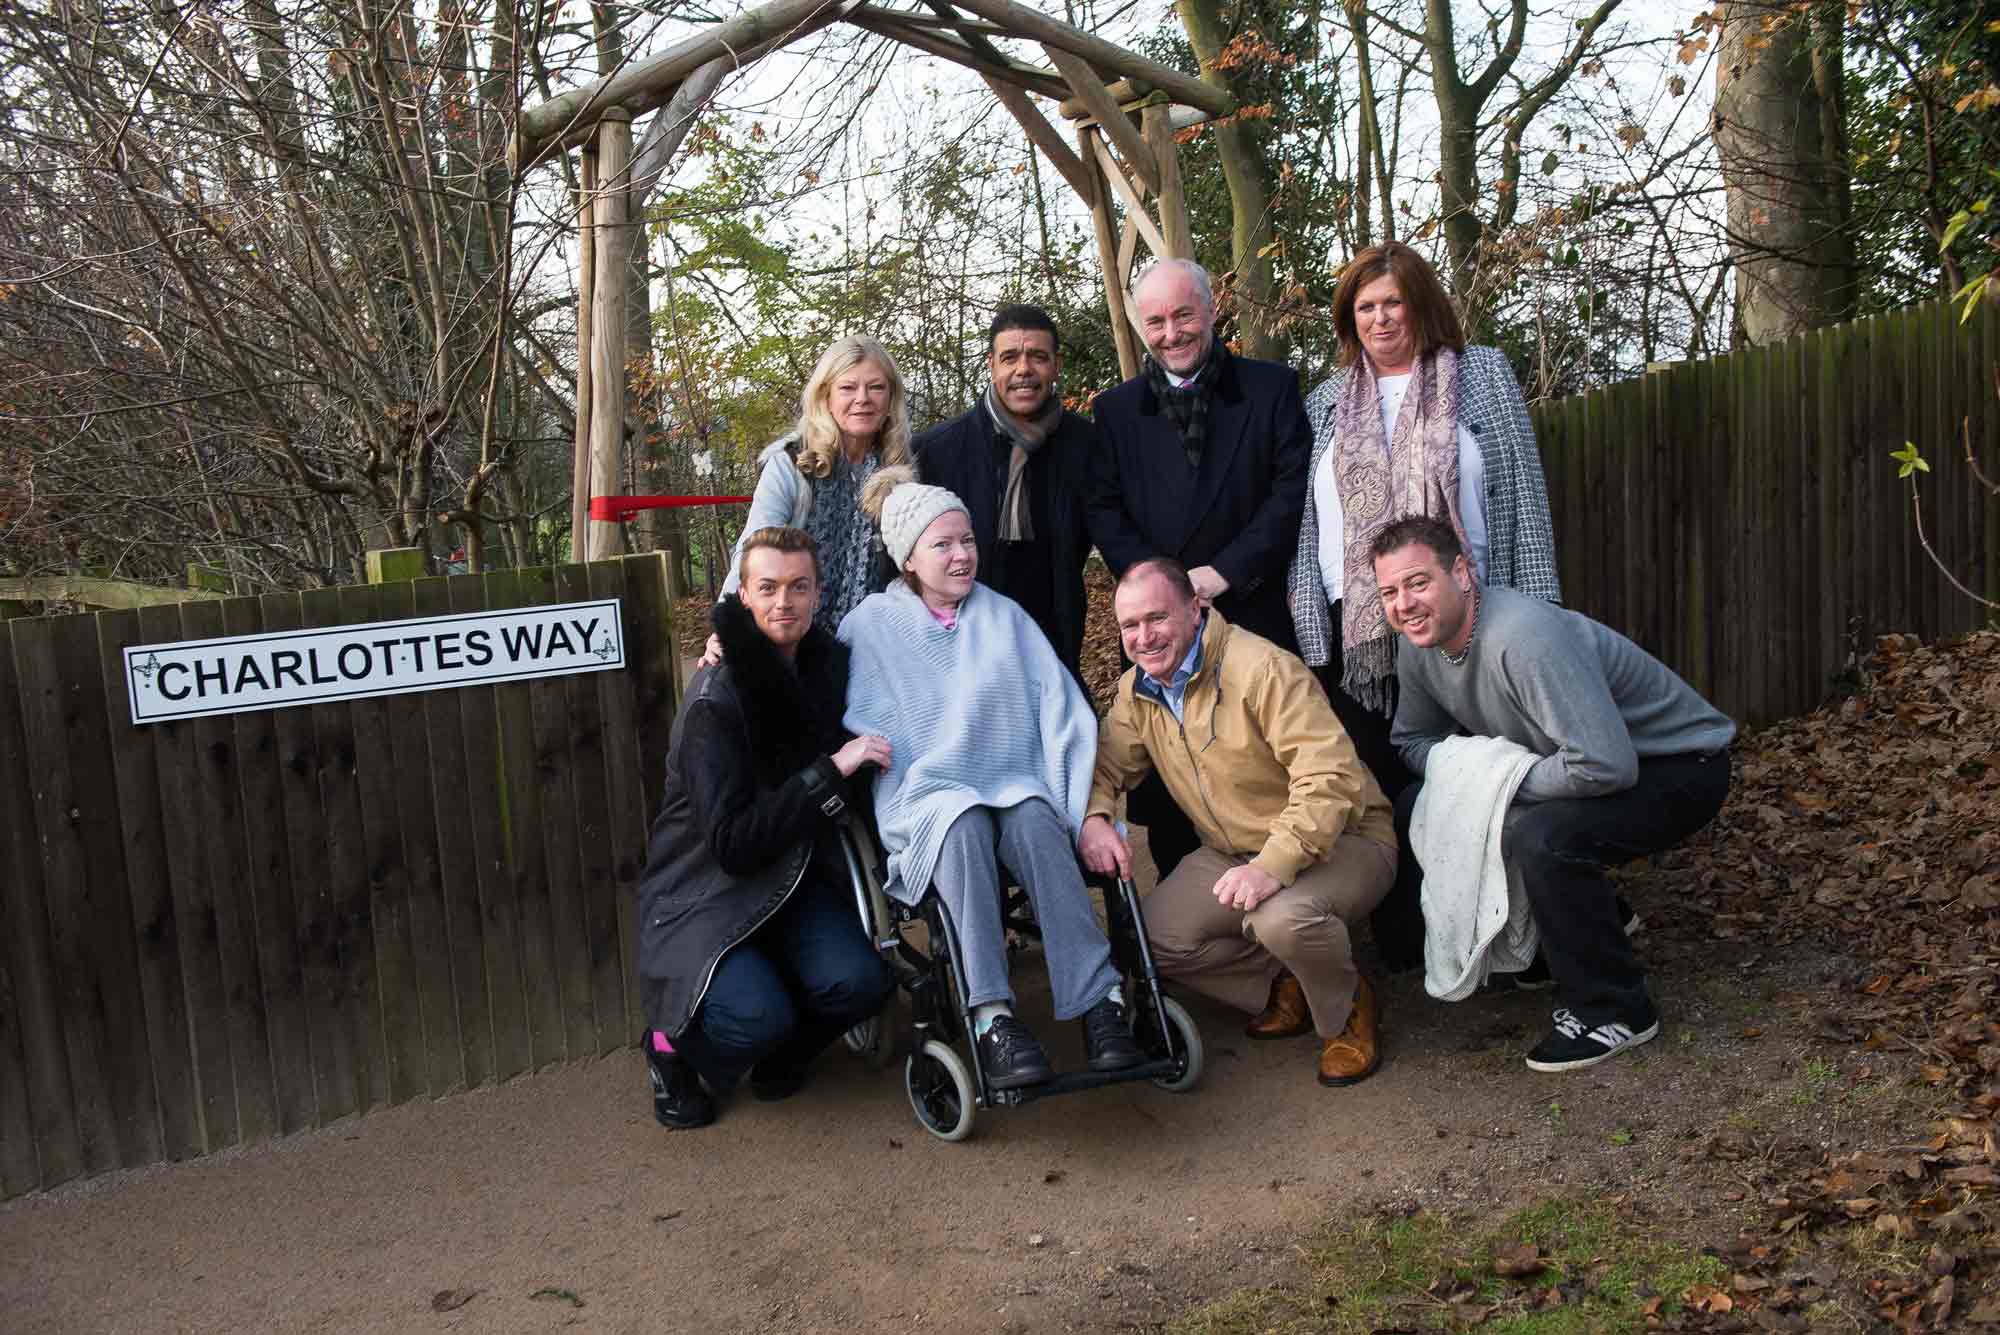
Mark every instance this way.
x=1017 y=458
x=1203 y=459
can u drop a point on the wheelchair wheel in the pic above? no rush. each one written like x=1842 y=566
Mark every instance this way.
x=940 y=1090
x=877 y=1039
x=1189 y=1040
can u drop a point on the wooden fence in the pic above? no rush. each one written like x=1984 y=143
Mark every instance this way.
x=229 y=928
x=1741 y=517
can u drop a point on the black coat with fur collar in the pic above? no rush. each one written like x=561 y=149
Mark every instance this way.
x=751 y=791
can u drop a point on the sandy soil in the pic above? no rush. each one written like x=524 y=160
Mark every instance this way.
x=1099 y=1211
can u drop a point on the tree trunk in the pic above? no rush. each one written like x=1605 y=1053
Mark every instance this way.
x=1783 y=171
x=1240 y=145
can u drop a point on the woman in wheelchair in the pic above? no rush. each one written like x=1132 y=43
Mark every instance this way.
x=751 y=958
x=992 y=745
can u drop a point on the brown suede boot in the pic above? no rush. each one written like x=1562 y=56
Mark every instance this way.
x=1350 y=1056
x=1286 y=1014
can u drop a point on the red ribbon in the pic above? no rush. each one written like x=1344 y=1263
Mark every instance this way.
x=613 y=509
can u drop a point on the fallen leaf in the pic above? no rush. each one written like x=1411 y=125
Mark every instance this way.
x=1518 y=1260
x=450 y=1300
x=555 y=1296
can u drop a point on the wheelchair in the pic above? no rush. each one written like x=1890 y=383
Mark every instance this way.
x=941 y=1071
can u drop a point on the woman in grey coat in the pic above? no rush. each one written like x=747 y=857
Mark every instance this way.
x=1413 y=422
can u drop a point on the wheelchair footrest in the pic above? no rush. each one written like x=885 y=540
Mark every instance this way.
x=1068 y=1082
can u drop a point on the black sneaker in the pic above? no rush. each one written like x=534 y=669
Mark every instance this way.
x=1577 y=1042
x=1011 y=1057
x=772 y=1080
x=679 y=1101
x=1107 y=1038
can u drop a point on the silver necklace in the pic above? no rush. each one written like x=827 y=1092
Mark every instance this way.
x=1458 y=659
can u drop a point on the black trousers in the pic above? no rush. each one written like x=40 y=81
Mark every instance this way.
x=1562 y=848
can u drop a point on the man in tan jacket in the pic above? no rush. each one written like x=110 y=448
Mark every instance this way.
x=1297 y=838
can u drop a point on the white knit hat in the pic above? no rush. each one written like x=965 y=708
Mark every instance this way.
x=907 y=510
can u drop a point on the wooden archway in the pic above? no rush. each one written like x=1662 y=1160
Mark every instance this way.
x=1123 y=109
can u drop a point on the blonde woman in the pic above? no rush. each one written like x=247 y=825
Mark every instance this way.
x=854 y=417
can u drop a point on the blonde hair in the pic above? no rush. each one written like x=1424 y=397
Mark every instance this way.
x=819 y=437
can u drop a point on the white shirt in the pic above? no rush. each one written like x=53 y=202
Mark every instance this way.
x=1333 y=519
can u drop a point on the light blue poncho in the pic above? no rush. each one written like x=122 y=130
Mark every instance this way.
x=983 y=714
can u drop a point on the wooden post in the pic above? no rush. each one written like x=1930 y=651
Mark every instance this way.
x=207 y=578
x=1157 y=119
x=610 y=219
x=586 y=275
x=1124 y=329
x=393 y=565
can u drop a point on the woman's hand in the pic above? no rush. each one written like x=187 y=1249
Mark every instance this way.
x=711 y=653
x=867 y=749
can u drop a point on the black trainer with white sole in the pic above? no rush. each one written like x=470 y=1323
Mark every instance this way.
x=1576 y=1042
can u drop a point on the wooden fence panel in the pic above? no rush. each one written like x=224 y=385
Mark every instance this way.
x=498 y=913
x=591 y=788
x=1758 y=490
x=56 y=1152
x=149 y=889
x=218 y=803
x=273 y=907
x=625 y=808
x=414 y=779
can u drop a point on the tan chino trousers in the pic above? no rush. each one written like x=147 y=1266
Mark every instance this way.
x=1233 y=956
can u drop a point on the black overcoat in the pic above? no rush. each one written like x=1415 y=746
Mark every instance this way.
x=1240 y=513
x=961 y=455
x=752 y=796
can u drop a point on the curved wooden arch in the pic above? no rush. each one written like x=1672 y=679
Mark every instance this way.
x=1123 y=109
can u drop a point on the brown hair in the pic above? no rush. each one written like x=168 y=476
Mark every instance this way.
x=1418 y=531
x=1433 y=320
x=777 y=539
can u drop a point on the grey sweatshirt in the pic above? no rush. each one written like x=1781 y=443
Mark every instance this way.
x=1578 y=694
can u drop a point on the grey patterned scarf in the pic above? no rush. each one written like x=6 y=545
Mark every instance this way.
x=845 y=537
x=1026 y=435
x=1187 y=405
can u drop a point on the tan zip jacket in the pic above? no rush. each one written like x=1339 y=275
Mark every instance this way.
x=1261 y=764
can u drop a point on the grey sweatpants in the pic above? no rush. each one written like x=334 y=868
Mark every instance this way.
x=1032 y=841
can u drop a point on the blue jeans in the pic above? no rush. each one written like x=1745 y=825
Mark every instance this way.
x=802 y=980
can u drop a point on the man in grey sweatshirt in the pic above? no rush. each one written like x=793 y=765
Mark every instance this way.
x=1633 y=761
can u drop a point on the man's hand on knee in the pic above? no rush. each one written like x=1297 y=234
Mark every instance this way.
x=1246 y=887
x=1104 y=849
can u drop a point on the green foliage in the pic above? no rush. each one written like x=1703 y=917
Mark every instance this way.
x=1431 y=1272
x=1923 y=115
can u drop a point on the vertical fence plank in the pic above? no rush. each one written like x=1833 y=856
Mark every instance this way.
x=55 y=682
x=219 y=807
x=499 y=917
x=1923 y=426
x=1828 y=539
x=654 y=653
x=18 y=1171
x=268 y=891
x=191 y=895
x=56 y=1151
x=156 y=931
x=458 y=863
x=416 y=780
x=341 y=916
x=1790 y=503
x=593 y=828
x=625 y=810
x=330 y=1053
x=1986 y=436
x=541 y=839
x=397 y=1065
x=1892 y=402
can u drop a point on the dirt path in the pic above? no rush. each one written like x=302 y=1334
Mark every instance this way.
x=835 y=1212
